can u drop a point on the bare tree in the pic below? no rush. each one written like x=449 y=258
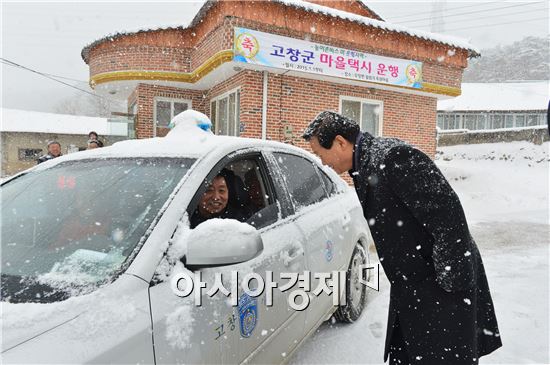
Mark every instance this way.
x=90 y=105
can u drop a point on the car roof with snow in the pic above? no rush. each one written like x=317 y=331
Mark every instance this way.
x=189 y=137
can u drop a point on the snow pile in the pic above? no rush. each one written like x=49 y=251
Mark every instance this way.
x=217 y=231
x=189 y=122
x=499 y=181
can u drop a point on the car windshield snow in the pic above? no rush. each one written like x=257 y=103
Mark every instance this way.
x=68 y=229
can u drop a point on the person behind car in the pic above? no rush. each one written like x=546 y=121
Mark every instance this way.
x=92 y=136
x=92 y=144
x=219 y=201
x=54 y=150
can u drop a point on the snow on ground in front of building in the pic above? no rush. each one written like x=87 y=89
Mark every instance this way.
x=499 y=181
x=505 y=193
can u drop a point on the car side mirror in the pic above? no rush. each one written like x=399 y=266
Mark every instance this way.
x=220 y=242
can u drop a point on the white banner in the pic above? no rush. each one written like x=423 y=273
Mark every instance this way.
x=271 y=50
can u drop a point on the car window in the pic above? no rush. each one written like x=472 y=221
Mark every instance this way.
x=303 y=182
x=329 y=184
x=74 y=225
x=249 y=198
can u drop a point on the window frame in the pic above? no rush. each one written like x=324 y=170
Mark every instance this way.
x=274 y=194
x=171 y=101
x=237 y=116
x=379 y=103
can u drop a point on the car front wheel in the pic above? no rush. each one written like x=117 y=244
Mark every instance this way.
x=356 y=292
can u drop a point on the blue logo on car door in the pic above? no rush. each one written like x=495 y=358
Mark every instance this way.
x=248 y=314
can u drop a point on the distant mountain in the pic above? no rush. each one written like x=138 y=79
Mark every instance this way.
x=528 y=59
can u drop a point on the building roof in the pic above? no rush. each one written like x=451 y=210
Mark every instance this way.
x=14 y=120
x=310 y=7
x=531 y=95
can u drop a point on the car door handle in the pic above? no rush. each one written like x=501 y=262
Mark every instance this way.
x=293 y=255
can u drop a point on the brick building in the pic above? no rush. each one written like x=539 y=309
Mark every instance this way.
x=264 y=69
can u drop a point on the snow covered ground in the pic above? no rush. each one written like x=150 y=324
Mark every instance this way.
x=504 y=188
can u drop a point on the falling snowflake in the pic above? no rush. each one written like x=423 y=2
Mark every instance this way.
x=467 y=301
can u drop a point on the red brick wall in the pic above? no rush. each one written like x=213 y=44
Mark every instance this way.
x=295 y=101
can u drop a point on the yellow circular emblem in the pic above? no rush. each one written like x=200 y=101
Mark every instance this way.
x=413 y=74
x=247 y=45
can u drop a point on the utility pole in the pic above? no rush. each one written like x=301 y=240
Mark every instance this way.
x=437 y=22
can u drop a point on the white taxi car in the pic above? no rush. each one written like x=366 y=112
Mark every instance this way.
x=92 y=243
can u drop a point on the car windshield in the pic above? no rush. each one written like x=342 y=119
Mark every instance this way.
x=68 y=229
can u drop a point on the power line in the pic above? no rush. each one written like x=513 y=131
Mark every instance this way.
x=460 y=7
x=48 y=76
x=475 y=12
x=478 y=18
x=490 y=25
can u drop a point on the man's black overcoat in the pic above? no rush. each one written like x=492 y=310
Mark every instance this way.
x=439 y=291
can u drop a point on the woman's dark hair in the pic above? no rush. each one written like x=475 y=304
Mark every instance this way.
x=327 y=125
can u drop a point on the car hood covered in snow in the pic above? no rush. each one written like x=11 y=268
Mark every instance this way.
x=76 y=330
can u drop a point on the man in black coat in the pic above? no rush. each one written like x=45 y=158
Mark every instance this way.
x=441 y=311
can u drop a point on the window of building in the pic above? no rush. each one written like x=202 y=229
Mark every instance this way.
x=532 y=120
x=29 y=154
x=225 y=113
x=166 y=109
x=520 y=120
x=497 y=121
x=440 y=120
x=470 y=121
x=509 y=121
x=368 y=113
x=481 y=121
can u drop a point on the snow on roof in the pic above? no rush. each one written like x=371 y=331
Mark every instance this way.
x=499 y=96
x=310 y=7
x=14 y=120
x=335 y=13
